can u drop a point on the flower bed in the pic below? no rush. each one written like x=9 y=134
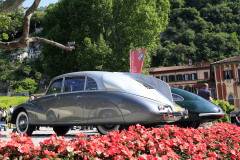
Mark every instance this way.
x=220 y=141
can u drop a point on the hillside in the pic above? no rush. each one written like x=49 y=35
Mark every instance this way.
x=202 y=30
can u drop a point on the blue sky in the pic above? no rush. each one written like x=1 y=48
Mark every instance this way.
x=43 y=3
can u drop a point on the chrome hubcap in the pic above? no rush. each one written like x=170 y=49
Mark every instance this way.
x=22 y=123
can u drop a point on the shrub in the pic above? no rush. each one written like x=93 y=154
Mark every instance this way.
x=28 y=86
x=219 y=141
x=7 y=101
x=226 y=107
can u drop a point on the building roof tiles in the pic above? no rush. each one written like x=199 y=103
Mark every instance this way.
x=172 y=68
x=228 y=60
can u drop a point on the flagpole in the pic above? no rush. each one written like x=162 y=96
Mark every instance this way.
x=130 y=61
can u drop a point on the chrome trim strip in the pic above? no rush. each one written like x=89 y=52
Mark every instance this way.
x=211 y=114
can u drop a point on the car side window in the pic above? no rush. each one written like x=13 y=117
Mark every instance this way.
x=55 y=87
x=177 y=97
x=91 y=84
x=74 y=84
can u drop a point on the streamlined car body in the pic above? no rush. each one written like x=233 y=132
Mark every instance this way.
x=199 y=109
x=107 y=100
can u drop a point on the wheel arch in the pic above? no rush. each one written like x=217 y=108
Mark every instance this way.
x=15 y=113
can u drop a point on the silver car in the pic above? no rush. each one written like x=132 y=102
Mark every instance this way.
x=107 y=100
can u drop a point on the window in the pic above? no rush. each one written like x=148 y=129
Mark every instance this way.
x=238 y=75
x=55 y=87
x=230 y=99
x=74 y=84
x=171 y=78
x=194 y=90
x=164 y=78
x=91 y=84
x=194 y=76
x=205 y=75
x=177 y=97
x=189 y=89
x=213 y=93
x=157 y=77
x=179 y=77
x=228 y=74
x=190 y=77
x=186 y=77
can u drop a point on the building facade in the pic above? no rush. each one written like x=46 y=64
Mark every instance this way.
x=223 y=78
x=227 y=75
x=190 y=77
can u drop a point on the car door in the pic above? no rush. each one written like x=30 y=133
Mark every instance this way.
x=70 y=100
x=47 y=111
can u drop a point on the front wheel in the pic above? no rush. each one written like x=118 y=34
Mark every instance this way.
x=105 y=129
x=61 y=130
x=22 y=124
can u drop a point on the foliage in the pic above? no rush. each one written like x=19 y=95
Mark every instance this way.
x=226 y=107
x=200 y=31
x=11 y=24
x=12 y=69
x=36 y=19
x=15 y=101
x=95 y=26
x=219 y=141
x=28 y=86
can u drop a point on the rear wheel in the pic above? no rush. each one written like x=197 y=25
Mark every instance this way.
x=22 y=124
x=61 y=130
x=105 y=129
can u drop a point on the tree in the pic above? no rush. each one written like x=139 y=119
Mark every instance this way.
x=204 y=30
x=28 y=86
x=9 y=6
x=114 y=26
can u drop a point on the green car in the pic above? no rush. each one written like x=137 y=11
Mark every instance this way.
x=199 y=109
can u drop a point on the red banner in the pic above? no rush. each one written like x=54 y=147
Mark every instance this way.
x=136 y=60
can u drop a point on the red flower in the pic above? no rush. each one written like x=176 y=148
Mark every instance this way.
x=50 y=153
x=234 y=156
x=212 y=154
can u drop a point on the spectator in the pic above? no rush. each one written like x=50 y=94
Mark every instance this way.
x=31 y=98
x=4 y=116
x=205 y=93
x=10 y=112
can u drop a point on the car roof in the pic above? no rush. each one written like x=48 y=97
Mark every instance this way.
x=103 y=77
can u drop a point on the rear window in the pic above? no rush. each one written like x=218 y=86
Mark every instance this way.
x=143 y=83
x=91 y=84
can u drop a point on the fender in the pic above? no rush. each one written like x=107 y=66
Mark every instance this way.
x=28 y=108
x=105 y=113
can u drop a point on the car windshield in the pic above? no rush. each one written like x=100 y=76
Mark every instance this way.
x=177 y=97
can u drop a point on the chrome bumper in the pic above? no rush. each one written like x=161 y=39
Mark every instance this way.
x=211 y=114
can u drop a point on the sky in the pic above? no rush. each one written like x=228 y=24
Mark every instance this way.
x=43 y=3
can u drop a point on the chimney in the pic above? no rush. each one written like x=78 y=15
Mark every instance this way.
x=190 y=62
